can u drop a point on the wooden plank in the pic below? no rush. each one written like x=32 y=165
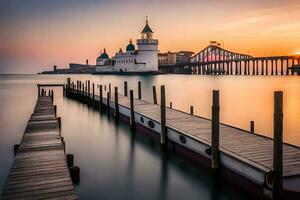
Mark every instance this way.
x=40 y=169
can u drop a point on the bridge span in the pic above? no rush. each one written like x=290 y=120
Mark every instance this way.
x=216 y=60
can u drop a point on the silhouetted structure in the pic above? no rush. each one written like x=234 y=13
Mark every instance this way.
x=216 y=60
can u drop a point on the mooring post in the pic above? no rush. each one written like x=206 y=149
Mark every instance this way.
x=52 y=96
x=154 y=95
x=132 y=125
x=252 y=126
x=192 y=110
x=101 y=98
x=70 y=160
x=82 y=93
x=89 y=91
x=68 y=83
x=109 y=89
x=139 y=90
x=108 y=106
x=125 y=89
x=93 y=95
x=277 y=151
x=163 y=135
x=59 y=122
x=55 y=110
x=39 y=90
x=215 y=160
x=116 y=114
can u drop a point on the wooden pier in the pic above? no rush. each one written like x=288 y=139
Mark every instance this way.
x=40 y=169
x=246 y=155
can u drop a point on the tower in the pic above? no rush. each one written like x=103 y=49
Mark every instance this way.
x=147 y=49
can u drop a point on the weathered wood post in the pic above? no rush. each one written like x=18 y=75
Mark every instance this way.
x=215 y=159
x=82 y=93
x=55 y=110
x=139 y=90
x=52 y=96
x=171 y=104
x=154 y=95
x=107 y=103
x=116 y=113
x=89 y=91
x=109 y=89
x=101 y=98
x=59 y=122
x=163 y=135
x=252 y=126
x=93 y=95
x=132 y=123
x=277 y=151
x=125 y=89
x=192 y=110
x=68 y=83
x=39 y=90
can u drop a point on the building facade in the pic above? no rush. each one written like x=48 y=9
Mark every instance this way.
x=168 y=58
x=142 y=59
x=171 y=58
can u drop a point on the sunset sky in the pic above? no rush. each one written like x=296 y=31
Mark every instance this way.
x=37 y=34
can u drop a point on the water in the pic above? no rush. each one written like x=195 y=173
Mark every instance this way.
x=115 y=163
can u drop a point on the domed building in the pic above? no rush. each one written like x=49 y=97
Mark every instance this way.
x=142 y=59
x=130 y=46
x=102 y=58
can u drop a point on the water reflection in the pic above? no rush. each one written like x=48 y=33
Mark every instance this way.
x=119 y=164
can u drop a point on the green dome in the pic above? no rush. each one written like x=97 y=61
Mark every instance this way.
x=130 y=46
x=104 y=55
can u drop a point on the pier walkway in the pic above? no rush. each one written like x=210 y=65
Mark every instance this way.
x=40 y=168
x=245 y=153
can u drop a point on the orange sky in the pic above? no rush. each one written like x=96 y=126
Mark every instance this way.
x=36 y=35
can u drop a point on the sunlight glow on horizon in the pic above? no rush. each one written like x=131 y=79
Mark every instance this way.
x=76 y=31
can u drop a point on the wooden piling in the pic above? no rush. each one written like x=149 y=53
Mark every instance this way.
x=88 y=92
x=116 y=111
x=59 y=122
x=139 y=90
x=101 y=98
x=277 y=151
x=252 y=126
x=55 y=110
x=68 y=83
x=191 y=110
x=93 y=95
x=163 y=135
x=215 y=159
x=107 y=103
x=125 y=88
x=109 y=90
x=132 y=123
x=154 y=95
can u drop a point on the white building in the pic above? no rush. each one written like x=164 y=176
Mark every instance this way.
x=142 y=59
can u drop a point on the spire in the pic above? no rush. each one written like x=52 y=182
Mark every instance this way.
x=147 y=28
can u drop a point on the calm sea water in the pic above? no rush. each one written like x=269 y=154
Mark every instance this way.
x=116 y=164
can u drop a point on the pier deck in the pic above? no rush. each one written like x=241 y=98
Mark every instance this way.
x=250 y=148
x=40 y=168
